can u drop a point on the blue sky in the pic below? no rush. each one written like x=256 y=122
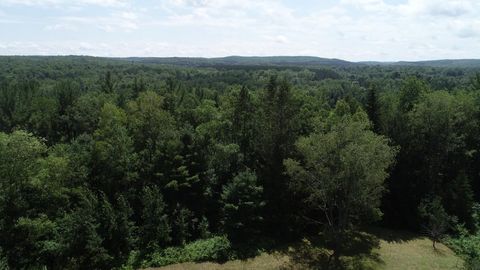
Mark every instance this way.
x=348 y=29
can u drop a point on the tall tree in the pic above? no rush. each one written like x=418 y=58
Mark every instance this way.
x=155 y=230
x=372 y=107
x=115 y=160
x=280 y=126
x=341 y=173
x=108 y=83
x=242 y=206
x=243 y=125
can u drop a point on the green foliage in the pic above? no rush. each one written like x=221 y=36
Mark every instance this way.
x=103 y=161
x=467 y=244
x=436 y=219
x=342 y=169
x=79 y=236
x=3 y=261
x=242 y=206
x=212 y=249
x=372 y=107
x=340 y=176
x=115 y=159
x=155 y=229
x=411 y=92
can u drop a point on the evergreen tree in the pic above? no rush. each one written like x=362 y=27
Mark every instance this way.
x=155 y=229
x=372 y=107
x=243 y=204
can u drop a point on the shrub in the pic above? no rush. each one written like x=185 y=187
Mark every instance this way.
x=216 y=248
x=132 y=261
x=3 y=261
x=468 y=247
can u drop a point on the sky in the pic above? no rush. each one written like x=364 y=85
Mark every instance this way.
x=355 y=30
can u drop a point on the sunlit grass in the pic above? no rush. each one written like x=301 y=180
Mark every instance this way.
x=397 y=251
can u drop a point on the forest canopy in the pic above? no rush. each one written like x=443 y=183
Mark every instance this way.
x=117 y=163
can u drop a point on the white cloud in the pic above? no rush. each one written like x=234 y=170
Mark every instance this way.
x=58 y=3
x=114 y=22
x=349 y=29
x=31 y=2
x=450 y=8
x=60 y=26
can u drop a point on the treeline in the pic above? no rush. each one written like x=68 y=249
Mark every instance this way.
x=136 y=165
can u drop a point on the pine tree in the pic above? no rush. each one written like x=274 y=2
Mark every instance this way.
x=372 y=108
x=155 y=230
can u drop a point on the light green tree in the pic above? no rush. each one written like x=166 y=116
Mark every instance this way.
x=341 y=173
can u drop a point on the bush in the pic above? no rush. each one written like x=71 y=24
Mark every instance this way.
x=217 y=248
x=468 y=247
x=466 y=244
x=132 y=262
x=3 y=261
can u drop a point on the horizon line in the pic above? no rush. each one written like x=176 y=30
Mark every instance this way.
x=240 y=56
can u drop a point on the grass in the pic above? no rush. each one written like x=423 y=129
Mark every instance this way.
x=397 y=251
x=416 y=254
x=261 y=262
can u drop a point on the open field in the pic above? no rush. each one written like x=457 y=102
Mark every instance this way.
x=416 y=254
x=397 y=251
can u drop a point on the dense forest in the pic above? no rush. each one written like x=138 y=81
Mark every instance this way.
x=135 y=163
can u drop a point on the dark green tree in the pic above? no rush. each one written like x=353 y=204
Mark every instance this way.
x=243 y=204
x=436 y=219
x=372 y=107
x=155 y=229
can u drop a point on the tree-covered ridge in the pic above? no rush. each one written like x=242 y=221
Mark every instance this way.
x=106 y=162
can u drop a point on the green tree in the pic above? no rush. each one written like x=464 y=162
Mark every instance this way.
x=341 y=173
x=108 y=83
x=83 y=116
x=155 y=229
x=436 y=219
x=372 y=107
x=155 y=136
x=411 y=92
x=20 y=162
x=243 y=204
x=278 y=117
x=475 y=81
x=115 y=160
x=243 y=125
x=79 y=235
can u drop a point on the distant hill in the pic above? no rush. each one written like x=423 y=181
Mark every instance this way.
x=245 y=61
x=307 y=61
x=253 y=61
x=460 y=63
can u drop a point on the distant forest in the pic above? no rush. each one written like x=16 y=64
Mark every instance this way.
x=131 y=163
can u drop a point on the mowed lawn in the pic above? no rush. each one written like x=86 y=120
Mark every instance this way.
x=397 y=251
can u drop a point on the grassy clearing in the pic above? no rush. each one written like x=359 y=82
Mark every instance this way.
x=262 y=262
x=416 y=254
x=397 y=251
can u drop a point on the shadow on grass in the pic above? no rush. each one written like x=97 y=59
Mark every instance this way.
x=392 y=236
x=356 y=249
x=253 y=248
x=439 y=252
